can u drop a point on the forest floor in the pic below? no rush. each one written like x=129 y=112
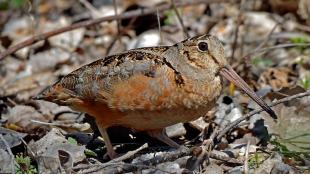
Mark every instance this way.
x=267 y=42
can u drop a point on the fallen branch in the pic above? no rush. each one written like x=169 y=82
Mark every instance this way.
x=122 y=167
x=129 y=154
x=250 y=114
x=126 y=15
x=118 y=167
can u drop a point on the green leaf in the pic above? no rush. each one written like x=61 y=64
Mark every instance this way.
x=298 y=40
x=169 y=17
x=90 y=153
x=23 y=165
x=255 y=160
x=291 y=131
x=305 y=82
x=262 y=62
x=72 y=141
x=4 y=5
x=17 y=3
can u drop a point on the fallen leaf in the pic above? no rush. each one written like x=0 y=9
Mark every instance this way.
x=21 y=115
x=277 y=78
x=7 y=163
x=292 y=127
x=47 y=151
x=13 y=138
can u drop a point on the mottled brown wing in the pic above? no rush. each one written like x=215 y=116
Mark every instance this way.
x=136 y=79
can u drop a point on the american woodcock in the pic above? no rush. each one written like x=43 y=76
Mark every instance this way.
x=148 y=89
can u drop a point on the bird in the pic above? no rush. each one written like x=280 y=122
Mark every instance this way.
x=148 y=89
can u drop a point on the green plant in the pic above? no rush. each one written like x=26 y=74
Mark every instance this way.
x=305 y=82
x=90 y=153
x=8 y=4
x=23 y=165
x=255 y=160
x=299 y=40
x=261 y=62
x=168 y=17
x=72 y=141
x=282 y=149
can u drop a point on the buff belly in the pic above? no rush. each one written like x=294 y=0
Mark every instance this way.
x=150 y=120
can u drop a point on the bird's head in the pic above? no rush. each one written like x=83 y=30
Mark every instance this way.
x=205 y=54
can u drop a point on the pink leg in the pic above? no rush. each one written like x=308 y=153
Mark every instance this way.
x=161 y=135
x=112 y=154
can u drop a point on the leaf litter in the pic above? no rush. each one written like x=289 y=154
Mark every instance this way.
x=271 y=53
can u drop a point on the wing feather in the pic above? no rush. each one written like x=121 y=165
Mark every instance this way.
x=131 y=80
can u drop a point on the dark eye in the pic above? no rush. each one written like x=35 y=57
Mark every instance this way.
x=203 y=46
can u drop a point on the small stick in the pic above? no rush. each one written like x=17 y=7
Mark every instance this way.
x=159 y=27
x=262 y=43
x=246 y=164
x=95 y=13
x=263 y=50
x=234 y=46
x=129 y=154
x=236 y=34
x=117 y=22
x=180 y=19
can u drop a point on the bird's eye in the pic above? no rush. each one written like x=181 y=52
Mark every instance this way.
x=203 y=46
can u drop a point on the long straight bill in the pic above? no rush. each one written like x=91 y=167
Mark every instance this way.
x=232 y=76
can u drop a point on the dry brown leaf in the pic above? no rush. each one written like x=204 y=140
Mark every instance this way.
x=21 y=116
x=292 y=126
x=47 y=148
x=277 y=78
x=28 y=86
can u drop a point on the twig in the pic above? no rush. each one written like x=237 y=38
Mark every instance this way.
x=239 y=20
x=117 y=21
x=263 y=43
x=223 y=156
x=28 y=149
x=126 y=15
x=129 y=154
x=246 y=164
x=208 y=146
x=202 y=153
x=64 y=124
x=234 y=46
x=263 y=50
x=180 y=19
x=95 y=13
x=118 y=167
x=112 y=168
x=267 y=38
x=250 y=114
x=159 y=27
